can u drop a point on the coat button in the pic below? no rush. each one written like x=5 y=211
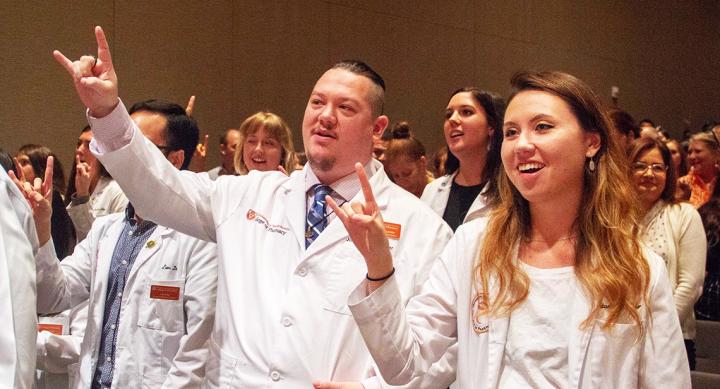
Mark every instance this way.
x=302 y=272
x=275 y=376
x=286 y=321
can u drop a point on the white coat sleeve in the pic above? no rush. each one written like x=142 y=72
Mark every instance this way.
x=188 y=365
x=177 y=199
x=62 y=285
x=406 y=342
x=691 y=257
x=663 y=362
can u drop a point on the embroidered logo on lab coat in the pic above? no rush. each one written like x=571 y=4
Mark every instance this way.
x=253 y=216
x=479 y=315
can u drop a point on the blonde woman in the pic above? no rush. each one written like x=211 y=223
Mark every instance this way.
x=704 y=160
x=554 y=289
x=266 y=144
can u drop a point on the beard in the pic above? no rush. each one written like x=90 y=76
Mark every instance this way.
x=321 y=164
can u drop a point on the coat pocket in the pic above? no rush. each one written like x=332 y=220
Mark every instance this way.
x=162 y=306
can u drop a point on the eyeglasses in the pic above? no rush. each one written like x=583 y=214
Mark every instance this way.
x=655 y=168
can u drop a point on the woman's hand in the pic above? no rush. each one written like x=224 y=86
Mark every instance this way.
x=39 y=197
x=83 y=178
x=367 y=230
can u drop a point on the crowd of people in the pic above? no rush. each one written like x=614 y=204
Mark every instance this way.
x=552 y=241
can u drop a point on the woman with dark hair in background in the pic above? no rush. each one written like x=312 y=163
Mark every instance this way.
x=91 y=191
x=673 y=230
x=405 y=159
x=472 y=129
x=679 y=157
x=708 y=307
x=32 y=160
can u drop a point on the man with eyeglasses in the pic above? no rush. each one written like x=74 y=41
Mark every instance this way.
x=151 y=289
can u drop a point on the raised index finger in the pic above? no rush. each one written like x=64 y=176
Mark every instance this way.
x=365 y=185
x=103 y=47
x=47 y=182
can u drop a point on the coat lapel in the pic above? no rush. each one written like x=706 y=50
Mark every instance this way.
x=295 y=204
x=148 y=250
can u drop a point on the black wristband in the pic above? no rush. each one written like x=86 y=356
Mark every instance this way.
x=381 y=278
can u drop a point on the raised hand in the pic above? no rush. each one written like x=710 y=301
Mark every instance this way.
x=39 y=196
x=94 y=78
x=366 y=228
x=197 y=163
x=337 y=385
x=83 y=177
x=190 y=106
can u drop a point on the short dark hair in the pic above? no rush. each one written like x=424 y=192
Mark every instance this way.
x=624 y=122
x=224 y=135
x=648 y=121
x=181 y=131
x=6 y=160
x=377 y=97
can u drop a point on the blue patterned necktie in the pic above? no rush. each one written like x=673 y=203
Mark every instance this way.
x=316 y=220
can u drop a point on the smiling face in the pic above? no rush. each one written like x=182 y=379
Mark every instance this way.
x=261 y=151
x=466 y=126
x=703 y=160
x=338 y=125
x=544 y=148
x=649 y=175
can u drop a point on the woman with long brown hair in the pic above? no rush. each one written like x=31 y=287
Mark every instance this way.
x=554 y=289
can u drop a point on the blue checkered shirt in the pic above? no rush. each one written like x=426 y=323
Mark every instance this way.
x=131 y=241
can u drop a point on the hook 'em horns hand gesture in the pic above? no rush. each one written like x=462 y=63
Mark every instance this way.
x=366 y=229
x=94 y=78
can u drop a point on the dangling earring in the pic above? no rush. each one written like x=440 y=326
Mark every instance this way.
x=591 y=166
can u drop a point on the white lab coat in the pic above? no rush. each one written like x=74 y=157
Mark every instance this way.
x=18 y=245
x=403 y=346
x=285 y=320
x=436 y=196
x=160 y=342
x=58 y=355
x=106 y=199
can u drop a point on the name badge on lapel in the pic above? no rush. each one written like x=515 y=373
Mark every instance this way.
x=164 y=292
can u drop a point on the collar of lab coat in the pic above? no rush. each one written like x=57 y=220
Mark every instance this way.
x=335 y=231
x=107 y=247
x=577 y=347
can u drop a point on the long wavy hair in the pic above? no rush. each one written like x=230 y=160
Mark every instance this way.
x=609 y=262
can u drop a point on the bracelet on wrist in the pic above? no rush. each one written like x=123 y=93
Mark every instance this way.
x=367 y=276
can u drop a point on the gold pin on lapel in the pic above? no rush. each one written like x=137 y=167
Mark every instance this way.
x=150 y=244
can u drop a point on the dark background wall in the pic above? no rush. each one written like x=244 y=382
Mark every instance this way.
x=239 y=57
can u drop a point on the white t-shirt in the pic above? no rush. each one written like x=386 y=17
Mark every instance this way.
x=536 y=351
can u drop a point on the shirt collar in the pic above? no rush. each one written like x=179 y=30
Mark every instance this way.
x=130 y=218
x=346 y=187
